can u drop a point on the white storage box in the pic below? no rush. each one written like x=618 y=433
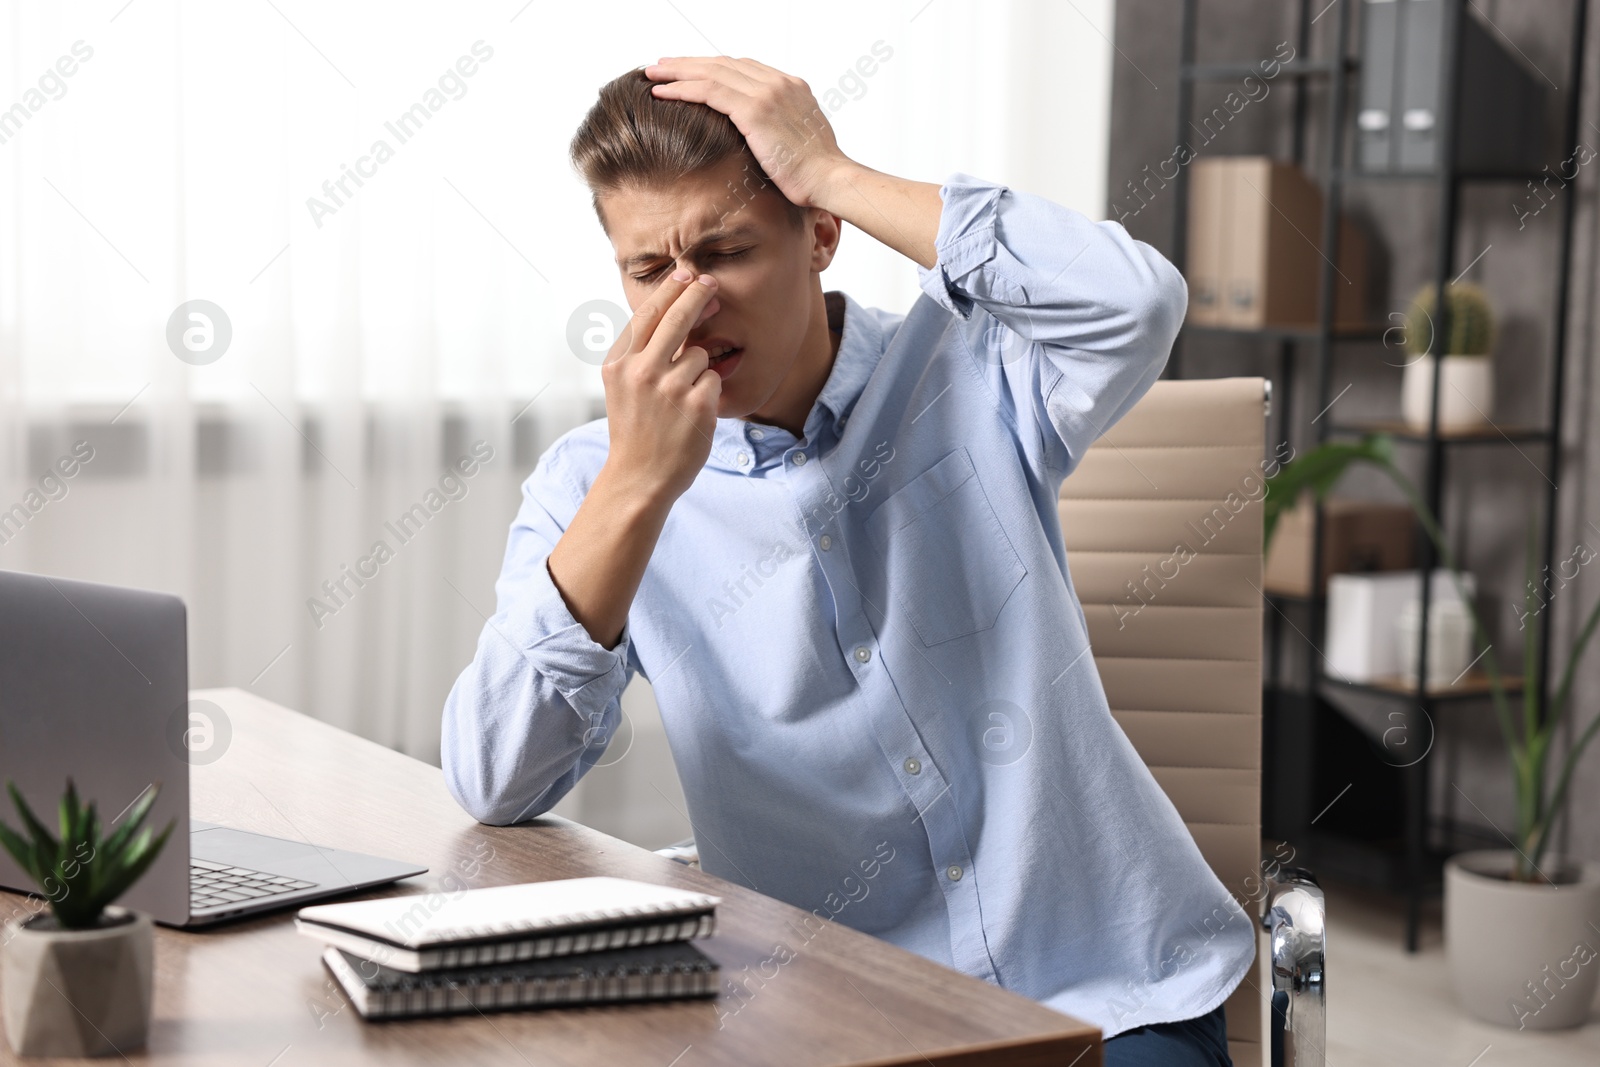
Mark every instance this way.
x=1363 y=638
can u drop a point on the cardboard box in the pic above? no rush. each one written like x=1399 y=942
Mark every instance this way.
x=1357 y=535
x=1363 y=632
x=1255 y=226
x=1350 y=285
x=1207 y=238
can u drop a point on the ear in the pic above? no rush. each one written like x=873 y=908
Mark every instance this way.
x=825 y=229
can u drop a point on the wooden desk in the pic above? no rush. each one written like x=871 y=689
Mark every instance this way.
x=257 y=993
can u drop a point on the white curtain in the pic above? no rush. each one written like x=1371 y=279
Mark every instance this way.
x=377 y=198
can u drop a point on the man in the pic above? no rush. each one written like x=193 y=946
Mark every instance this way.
x=827 y=535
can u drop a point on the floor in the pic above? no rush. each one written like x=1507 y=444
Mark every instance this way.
x=1387 y=1007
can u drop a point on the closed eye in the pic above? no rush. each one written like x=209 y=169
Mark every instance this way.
x=645 y=278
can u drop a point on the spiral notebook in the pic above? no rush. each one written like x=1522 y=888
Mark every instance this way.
x=510 y=923
x=661 y=972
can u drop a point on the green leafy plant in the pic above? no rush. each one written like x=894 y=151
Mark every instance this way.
x=1471 y=322
x=80 y=872
x=1528 y=742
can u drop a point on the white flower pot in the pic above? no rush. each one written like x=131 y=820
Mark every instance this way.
x=77 y=992
x=1522 y=955
x=1466 y=392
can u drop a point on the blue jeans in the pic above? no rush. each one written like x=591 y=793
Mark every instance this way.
x=1201 y=1042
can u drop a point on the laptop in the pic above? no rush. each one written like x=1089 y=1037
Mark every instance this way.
x=94 y=683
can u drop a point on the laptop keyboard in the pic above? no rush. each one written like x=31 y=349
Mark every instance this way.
x=214 y=884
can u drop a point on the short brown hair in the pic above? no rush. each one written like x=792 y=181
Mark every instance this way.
x=633 y=138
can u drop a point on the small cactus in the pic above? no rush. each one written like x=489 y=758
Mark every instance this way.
x=1471 y=322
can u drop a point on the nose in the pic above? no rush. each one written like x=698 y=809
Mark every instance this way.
x=708 y=311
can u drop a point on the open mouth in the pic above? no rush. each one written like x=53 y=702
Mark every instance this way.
x=724 y=358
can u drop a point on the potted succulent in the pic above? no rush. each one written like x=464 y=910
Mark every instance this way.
x=76 y=981
x=1522 y=925
x=1466 y=385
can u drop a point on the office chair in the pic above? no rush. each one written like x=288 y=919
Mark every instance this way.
x=1177 y=639
x=1162 y=522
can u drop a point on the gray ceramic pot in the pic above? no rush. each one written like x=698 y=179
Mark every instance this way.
x=1522 y=955
x=77 y=992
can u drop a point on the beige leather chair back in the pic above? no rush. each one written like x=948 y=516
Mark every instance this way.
x=1162 y=522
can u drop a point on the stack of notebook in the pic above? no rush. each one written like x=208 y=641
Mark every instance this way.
x=578 y=941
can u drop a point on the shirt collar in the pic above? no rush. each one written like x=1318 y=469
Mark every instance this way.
x=860 y=348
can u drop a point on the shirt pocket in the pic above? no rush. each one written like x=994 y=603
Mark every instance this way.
x=947 y=559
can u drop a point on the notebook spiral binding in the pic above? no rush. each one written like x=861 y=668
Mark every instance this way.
x=405 y=995
x=629 y=936
x=456 y=933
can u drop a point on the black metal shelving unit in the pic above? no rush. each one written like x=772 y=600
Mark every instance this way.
x=1403 y=861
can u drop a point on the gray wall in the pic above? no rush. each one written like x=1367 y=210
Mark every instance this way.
x=1492 y=490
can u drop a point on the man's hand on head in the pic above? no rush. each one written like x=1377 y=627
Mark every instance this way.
x=787 y=130
x=791 y=138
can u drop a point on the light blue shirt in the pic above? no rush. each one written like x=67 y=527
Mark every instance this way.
x=871 y=665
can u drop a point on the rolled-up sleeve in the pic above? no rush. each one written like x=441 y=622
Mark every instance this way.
x=1069 y=319
x=541 y=698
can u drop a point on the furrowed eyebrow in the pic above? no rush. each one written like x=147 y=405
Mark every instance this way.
x=639 y=259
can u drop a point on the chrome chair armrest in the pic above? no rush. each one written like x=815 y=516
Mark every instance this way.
x=685 y=852
x=1294 y=914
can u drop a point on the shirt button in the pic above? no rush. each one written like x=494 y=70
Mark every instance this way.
x=954 y=872
x=863 y=654
x=742 y=459
x=799 y=459
x=913 y=765
x=758 y=435
x=824 y=542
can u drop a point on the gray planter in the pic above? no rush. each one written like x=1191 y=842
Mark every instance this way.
x=77 y=992
x=1522 y=955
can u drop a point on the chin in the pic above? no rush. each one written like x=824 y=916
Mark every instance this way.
x=736 y=402
x=734 y=407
